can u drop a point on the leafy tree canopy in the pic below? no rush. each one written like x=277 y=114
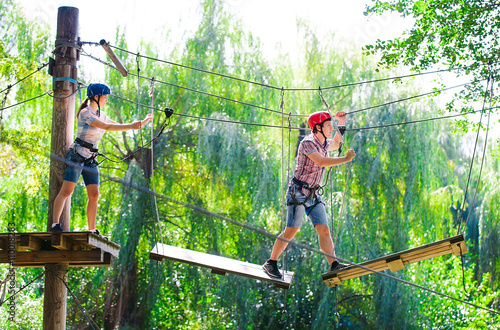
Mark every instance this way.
x=447 y=33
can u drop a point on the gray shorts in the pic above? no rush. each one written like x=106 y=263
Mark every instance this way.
x=314 y=208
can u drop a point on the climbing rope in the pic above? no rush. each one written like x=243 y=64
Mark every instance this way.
x=284 y=186
x=152 y=92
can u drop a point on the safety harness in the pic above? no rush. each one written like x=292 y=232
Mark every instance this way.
x=312 y=190
x=86 y=161
x=302 y=185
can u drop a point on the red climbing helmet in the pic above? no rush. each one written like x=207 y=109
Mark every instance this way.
x=318 y=118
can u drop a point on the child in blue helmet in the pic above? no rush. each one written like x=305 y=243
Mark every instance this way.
x=92 y=124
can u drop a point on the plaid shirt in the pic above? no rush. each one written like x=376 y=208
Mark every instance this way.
x=308 y=171
x=87 y=132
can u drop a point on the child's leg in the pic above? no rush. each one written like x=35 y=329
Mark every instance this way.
x=66 y=191
x=280 y=245
x=325 y=242
x=93 y=195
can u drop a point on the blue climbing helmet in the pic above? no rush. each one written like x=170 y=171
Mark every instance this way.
x=97 y=89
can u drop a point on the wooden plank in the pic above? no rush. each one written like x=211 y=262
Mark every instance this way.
x=103 y=243
x=28 y=242
x=218 y=272
x=431 y=254
x=61 y=242
x=49 y=257
x=397 y=261
x=381 y=265
x=76 y=236
x=218 y=264
x=107 y=262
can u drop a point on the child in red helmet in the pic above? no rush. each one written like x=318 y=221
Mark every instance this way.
x=92 y=124
x=303 y=195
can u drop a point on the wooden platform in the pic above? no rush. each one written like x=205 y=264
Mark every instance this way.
x=219 y=265
x=397 y=261
x=78 y=249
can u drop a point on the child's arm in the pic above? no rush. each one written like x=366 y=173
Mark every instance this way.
x=337 y=139
x=331 y=161
x=113 y=126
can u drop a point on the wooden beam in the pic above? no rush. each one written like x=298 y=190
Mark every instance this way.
x=56 y=256
x=4 y=243
x=218 y=264
x=61 y=242
x=80 y=241
x=107 y=262
x=28 y=242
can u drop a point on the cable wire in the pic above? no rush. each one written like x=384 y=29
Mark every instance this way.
x=21 y=80
x=23 y=287
x=473 y=154
x=298 y=89
x=92 y=323
x=343 y=203
x=419 y=120
x=187 y=88
x=209 y=119
x=25 y=101
x=414 y=97
x=481 y=167
x=294 y=115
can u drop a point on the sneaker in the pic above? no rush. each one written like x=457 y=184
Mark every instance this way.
x=57 y=228
x=98 y=233
x=271 y=269
x=337 y=266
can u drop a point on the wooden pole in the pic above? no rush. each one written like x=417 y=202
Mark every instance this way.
x=65 y=75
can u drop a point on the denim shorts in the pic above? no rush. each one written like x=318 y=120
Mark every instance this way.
x=89 y=172
x=314 y=208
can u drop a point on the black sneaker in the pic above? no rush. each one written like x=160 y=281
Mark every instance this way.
x=57 y=228
x=337 y=266
x=271 y=269
x=98 y=233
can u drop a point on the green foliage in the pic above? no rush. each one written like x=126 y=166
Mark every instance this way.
x=450 y=34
